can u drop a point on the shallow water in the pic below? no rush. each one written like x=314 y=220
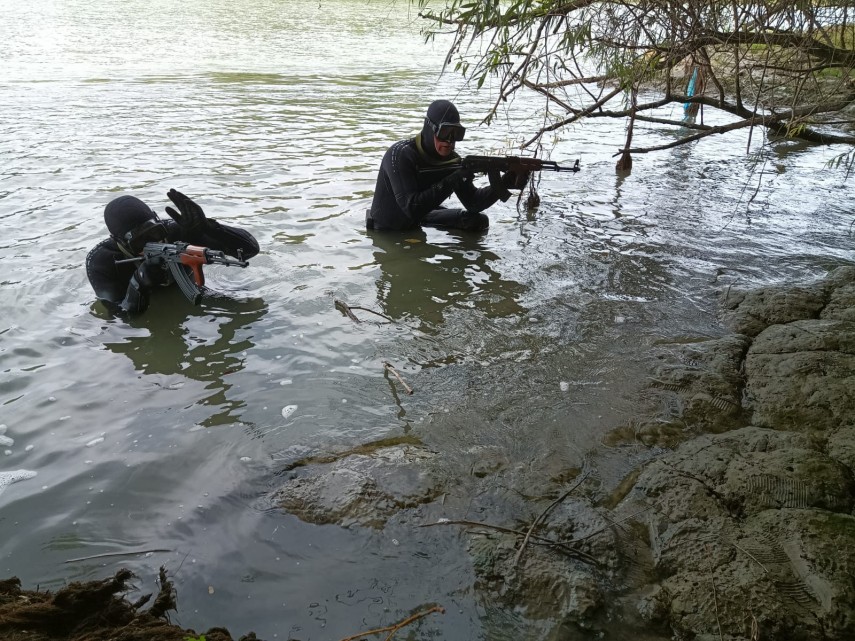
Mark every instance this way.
x=531 y=341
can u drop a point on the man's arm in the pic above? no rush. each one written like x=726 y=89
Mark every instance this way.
x=224 y=238
x=476 y=199
x=117 y=286
x=191 y=225
x=401 y=168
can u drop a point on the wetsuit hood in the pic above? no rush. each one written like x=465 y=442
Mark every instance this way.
x=125 y=213
x=439 y=111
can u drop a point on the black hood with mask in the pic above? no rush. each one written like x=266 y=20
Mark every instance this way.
x=438 y=112
x=129 y=219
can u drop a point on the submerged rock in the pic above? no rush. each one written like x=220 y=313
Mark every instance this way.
x=364 y=488
x=549 y=582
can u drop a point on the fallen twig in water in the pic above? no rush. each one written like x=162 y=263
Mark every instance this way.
x=347 y=310
x=344 y=308
x=613 y=523
x=392 y=629
x=543 y=516
x=539 y=540
x=388 y=367
x=106 y=554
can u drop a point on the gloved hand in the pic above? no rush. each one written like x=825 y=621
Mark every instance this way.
x=192 y=219
x=146 y=274
x=514 y=180
x=498 y=185
x=460 y=176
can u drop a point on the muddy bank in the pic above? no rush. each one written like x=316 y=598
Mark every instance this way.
x=95 y=611
x=738 y=523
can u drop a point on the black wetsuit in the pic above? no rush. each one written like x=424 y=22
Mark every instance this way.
x=116 y=285
x=414 y=181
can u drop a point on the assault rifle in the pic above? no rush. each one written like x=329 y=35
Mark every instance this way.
x=176 y=256
x=483 y=164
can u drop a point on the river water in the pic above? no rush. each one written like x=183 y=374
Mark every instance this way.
x=532 y=341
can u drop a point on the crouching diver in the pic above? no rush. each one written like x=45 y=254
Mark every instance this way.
x=132 y=224
x=417 y=175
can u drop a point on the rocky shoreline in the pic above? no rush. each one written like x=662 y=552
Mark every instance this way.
x=737 y=525
x=740 y=526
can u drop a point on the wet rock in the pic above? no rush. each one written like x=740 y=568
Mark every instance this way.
x=653 y=434
x=361 y=489
x=699 y=393
x=839 y=277
x=841 y=446
x=801 y=376
x=841 y=304
x=746 y=524
x=790 y=569
x=751 y=312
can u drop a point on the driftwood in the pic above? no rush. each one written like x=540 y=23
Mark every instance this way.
x=564 y=546
x=347 y=310
x=388 y=367
x=107 y=554
x=392 y=629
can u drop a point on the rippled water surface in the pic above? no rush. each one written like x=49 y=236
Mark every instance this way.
x=533 y=340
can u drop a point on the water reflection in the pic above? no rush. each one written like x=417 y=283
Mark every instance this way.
x=206 y=343
x=421 y=279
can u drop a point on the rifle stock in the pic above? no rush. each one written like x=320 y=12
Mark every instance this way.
x=183 y=259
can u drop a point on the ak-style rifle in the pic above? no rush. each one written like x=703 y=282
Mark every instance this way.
x=177 y=257
x=518 y=164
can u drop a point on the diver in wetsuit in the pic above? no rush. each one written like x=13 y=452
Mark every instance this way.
x=132 y=224
x=417 y=175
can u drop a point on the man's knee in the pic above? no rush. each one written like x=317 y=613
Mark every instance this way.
x=474 y=222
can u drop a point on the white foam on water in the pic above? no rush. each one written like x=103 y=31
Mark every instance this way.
x=3 y=429
x=7 y=478
x=288 y=410
x=95 y=441
x=6 y=441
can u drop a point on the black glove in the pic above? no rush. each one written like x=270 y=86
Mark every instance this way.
x=515 y=180
x=454 y=180
x=460 y=176
x=498 y=184
x=192 y=219
x=147 y=274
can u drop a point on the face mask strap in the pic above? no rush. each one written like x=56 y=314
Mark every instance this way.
x=151 y=229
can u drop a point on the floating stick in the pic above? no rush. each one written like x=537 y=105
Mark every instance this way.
x=388 y=367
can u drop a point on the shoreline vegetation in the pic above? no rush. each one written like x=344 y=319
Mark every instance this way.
x=99 y=611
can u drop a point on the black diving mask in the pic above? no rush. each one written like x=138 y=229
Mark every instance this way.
x=149 y=231
x=448 y=131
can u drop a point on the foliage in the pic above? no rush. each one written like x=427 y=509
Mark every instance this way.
x=786 y=67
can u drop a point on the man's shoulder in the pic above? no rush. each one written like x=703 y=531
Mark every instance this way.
x=106 y=251
x=404 y=147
